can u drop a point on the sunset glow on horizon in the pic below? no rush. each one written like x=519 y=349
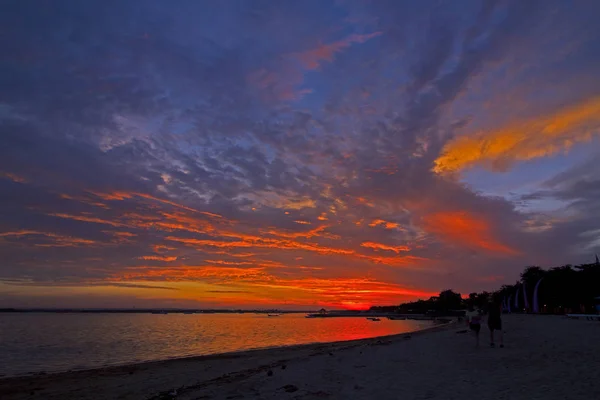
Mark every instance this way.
x=293 y=155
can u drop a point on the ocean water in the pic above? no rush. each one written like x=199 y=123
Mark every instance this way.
x=48 y=342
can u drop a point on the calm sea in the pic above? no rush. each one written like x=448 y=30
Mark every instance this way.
x=33 y=342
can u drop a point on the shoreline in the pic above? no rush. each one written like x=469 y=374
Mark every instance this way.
x=225 y=355
x=153 y=379
x=550 y=358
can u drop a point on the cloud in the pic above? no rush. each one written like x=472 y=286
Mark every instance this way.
x=187 y=273
x=385 y=224
x=311 y=59
x=466 y=229
x=538 y=137
x=13 y=177
x=287 y=201
x=381 y=246
x=84 y=218
x=47 y=239
x=158 y=258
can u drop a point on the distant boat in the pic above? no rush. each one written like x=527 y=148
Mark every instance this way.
x=374 y=319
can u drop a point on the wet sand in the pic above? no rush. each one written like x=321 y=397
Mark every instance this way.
x=545 y=357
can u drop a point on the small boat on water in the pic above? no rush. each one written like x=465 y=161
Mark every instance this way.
x=374 y=319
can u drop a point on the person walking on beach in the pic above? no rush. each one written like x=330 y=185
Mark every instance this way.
x=495 y=323
x=474 y=321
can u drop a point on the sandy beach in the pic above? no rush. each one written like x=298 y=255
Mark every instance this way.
x=546 y=357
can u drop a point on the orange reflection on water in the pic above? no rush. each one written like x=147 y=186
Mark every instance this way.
x=130 y=338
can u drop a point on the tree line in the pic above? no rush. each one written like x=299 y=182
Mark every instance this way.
x=564 y=289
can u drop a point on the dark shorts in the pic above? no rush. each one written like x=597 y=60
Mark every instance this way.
x=475 y=327
x=495 y=325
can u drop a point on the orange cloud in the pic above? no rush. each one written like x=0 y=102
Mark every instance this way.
x=467 y=229
x=113 y=195
x=121 y=237
x=292 y=235
x=283 y=201
x=186 y=273
x=222 y=262
x=381 y=246
x=284 y=83
x=178 y=221
x=262 y=243
x=124 y=234
x=126 y=195
x=83 y=218
x=397 y=261
x=83 y=199
x=540 y=137
x=385 y=224
x=344 y=292
x=13 y=177
x=172 y=203
x=336 y=292
x=364 y=201
x=55 y=240
x=158 y=258
x=311 y=59
x=159 y=248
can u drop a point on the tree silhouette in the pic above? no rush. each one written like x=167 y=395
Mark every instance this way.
x=564 y=289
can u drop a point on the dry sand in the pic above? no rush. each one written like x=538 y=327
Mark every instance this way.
x=546 y=357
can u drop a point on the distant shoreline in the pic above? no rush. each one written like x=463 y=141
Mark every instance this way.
x=147 y=311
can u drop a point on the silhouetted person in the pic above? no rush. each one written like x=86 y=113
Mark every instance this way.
x=474 y=321
x=495 y=323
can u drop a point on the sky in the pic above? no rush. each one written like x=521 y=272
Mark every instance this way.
x=291 y=154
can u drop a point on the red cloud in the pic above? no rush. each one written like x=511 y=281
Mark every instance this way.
x=467 y=229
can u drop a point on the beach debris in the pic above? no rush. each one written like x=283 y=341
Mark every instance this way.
x=269 y=373
x=290 y=388
x=320 y=393
x=407 y=337
x=167 y=395
x=330 y=353
x=381 y=343
x=283 y=366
